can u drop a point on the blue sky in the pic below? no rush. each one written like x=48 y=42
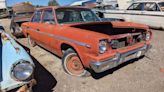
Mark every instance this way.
x=39 y=2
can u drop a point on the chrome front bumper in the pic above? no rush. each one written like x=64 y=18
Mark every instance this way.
x=99 y=67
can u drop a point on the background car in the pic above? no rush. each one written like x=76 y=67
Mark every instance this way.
x=21 y=13
x=149 y=12
x=16 y=66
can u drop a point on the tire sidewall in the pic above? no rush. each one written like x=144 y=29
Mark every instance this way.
x=67 y=54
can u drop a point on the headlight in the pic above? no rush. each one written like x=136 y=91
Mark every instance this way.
x=148 y=36
x=22 y=71
x=103 y=46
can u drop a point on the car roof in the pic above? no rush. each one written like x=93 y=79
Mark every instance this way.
x=61 y=7
x=156 y=1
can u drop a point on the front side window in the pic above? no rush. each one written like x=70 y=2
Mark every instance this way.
x=75 y=16
x=37 y=16
x=161 y=5
x=136 y=6
x=151 y=7
x=48 y=17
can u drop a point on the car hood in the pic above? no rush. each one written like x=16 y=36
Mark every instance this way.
x=96 y=31
x=115 y=24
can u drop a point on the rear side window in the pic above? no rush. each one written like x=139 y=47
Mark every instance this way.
x=48 y=17
x=151 y=7
x=37 y=16
x=136 y=6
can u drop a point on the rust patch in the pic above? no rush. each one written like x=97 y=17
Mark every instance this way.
x=162 y=70
x=17 y=50
x=4 y=37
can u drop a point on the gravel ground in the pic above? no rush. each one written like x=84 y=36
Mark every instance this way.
x=141 y=75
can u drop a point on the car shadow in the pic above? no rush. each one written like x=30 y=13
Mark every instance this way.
x=45 y=80
x=110 y=71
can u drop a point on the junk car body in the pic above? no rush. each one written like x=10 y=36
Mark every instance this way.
x=16 y=66
x=85 y=42
x=21 y=13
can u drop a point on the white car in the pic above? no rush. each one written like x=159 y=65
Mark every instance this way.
x=149 y=12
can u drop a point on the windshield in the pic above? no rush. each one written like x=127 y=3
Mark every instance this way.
x=161 y=5
x=75 y=15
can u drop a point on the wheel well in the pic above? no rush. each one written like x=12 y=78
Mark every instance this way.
x=64 y=47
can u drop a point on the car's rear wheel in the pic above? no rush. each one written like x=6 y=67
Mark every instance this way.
x=31 y=42
x=72 y=64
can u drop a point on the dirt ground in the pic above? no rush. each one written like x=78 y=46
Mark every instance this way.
x=141 y=75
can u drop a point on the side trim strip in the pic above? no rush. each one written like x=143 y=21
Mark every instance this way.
x=62 y=38
x=135 y=14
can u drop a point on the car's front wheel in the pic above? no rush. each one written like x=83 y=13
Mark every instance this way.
x=72 y=64
x=30 y=41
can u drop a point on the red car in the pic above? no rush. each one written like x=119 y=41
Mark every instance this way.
x=85 y=42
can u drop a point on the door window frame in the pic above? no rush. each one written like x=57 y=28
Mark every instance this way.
x=34 y=16
x=53 y=12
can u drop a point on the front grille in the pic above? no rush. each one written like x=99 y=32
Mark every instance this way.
x=126 y=41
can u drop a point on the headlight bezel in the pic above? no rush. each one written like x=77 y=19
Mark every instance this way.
x=13 y=76
x=103 y=46
x=148 y=36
